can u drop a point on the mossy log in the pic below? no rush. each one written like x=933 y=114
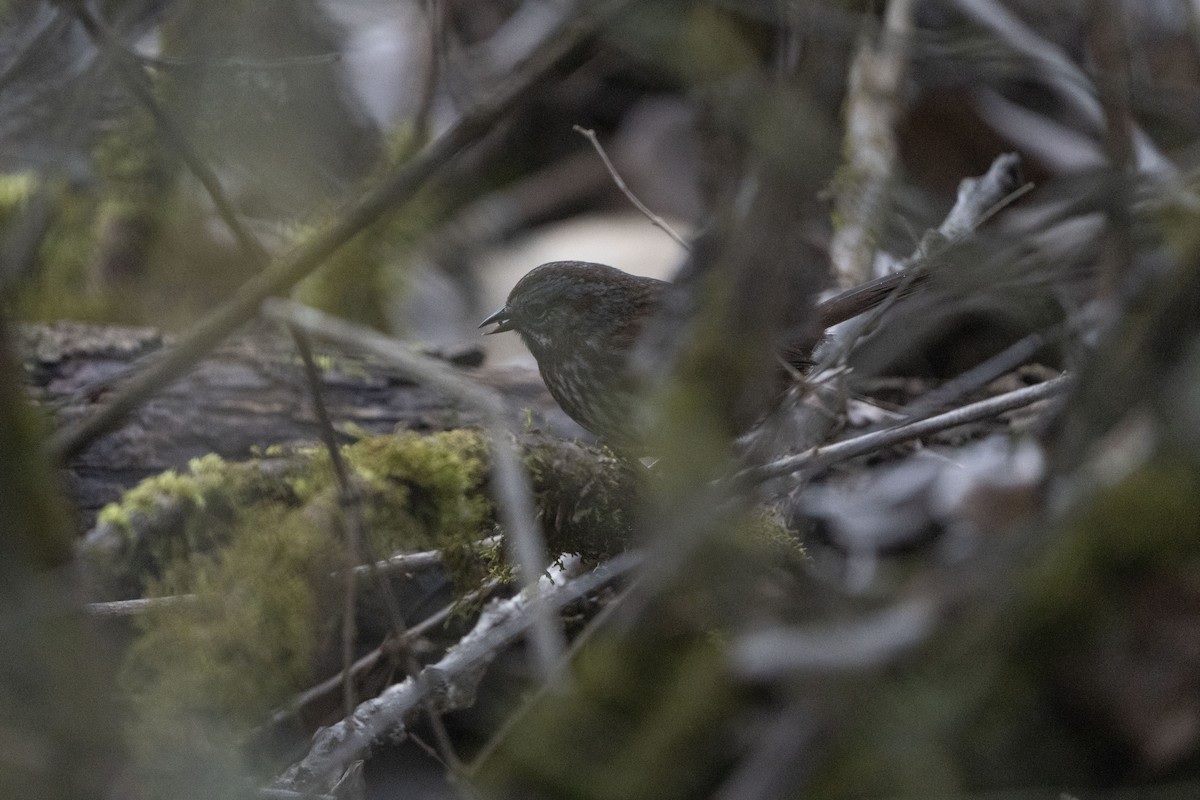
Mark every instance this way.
x=247 y=396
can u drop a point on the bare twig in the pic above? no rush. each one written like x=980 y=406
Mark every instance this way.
x=977 y=200
x=447 y=684
x=872 y=108
x=974 y=378
x=350 y=503
x=132 y=608
x=235 y=62
x=816 y=459
x=400 y=562
x=414 y=562
x=284 y=274
x=362 y=666
x=657 y=221
x=128 y=71
x=512 y=484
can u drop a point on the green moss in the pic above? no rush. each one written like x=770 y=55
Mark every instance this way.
x=257 y=542
x=426 y=492
x=176 y=514
x=203 y=674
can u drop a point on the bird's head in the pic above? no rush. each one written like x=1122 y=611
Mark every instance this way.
x=575 y=303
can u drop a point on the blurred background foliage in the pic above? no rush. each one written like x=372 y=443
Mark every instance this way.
x=1065 y=649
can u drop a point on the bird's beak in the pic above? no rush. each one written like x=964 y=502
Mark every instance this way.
x=503 y=323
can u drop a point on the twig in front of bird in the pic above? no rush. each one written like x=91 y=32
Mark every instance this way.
x=655 y=219
x=816 y=459
x=514 y=496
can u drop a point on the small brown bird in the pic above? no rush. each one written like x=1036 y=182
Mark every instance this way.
x=581 y=321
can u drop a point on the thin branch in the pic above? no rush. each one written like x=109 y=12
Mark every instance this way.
x=392 y=191
x=114 y=609
x=236 y=62
x=983 y=373
x=877 y=76
x=317 y=693
x=414 y=562
x=816 y=459
x=131 y=76
x=657 y=221
x=514 y=495
x=350 y=502
x=352 y=517
x=400 y=562
x=447 y=684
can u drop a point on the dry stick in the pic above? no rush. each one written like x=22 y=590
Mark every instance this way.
x=285 y=273
x=400 y=562
x=411 y=562
x=449 y=682
x=594 y=625
x=658 y=221
x=977 y=376
x=870 y=642
x=512 y=484
x=816 y=459
x=234 y=63
x=872 y=107
x=351 y=507
x=368 y=662
x=114 y=609
x=351 y=515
